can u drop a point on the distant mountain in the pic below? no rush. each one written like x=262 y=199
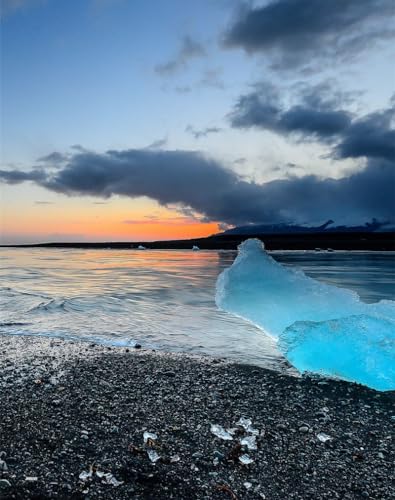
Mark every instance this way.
x=255 y=229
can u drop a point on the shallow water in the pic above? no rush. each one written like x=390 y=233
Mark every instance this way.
x=161 y=299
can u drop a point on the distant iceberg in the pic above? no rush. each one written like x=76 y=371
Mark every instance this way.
x=321 y=328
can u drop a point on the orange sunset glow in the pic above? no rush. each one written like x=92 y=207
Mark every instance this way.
x=43 y=219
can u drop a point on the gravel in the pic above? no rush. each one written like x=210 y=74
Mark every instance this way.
x=73 y=417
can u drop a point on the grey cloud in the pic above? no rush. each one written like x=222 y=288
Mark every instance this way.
x=54 y=158
x=39 y=202
x=189 y=49
x=198 y=134
x=18 y=176
x=193 y=181
x=212 y=78
x=369 y=136
x=158 y=144
x=293 y=32
x=314 y=116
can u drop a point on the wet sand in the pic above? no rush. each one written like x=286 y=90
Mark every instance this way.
x=73 y=416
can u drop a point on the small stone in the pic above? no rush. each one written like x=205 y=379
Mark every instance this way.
x=169 y=373
x=31 y=479
x=380 y=454
x=137 y=346
x=218 y=455
x=303 y=428
x=4 y=483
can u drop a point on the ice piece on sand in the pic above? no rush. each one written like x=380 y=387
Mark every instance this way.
x=220 y=432
x=321 y=436
x=195 y=248
x=141 y=247
x=153 y=456
x=149 y=435
x=174 y=459
x=246 y=459
x=246 y=423
x=356 y=348
x=250 y=442
x=322 y=328
x=108 y=478
x=85 y=475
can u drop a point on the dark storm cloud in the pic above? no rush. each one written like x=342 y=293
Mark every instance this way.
x=295 y=31
x=198 y=134
x=370 y=136
x=18 y=176
x=315 y=116
x=189 y=49
x=194 y=182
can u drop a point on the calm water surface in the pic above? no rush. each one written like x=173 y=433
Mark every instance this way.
x=162 y=299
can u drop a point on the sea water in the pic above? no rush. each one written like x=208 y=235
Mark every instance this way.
x=161 y=299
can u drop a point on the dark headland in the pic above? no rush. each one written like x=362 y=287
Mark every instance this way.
x=73 y=417
x=376 y=241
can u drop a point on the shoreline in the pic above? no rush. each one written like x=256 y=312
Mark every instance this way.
x=343 y=241
x=70 y=408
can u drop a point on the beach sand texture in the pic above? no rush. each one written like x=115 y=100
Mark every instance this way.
x=73 y=416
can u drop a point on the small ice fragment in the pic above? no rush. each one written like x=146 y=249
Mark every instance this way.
x=246 y=423
x=149 y=435
x=110 y=479
x=323 y=437
x=250 y=442
x=31 y=479
x=232 y=431
x=84 y=475
x=246 y=459
x=220 y=432
x=195 y=248
x=174 y=459
x=247 y=485
x=153 y=456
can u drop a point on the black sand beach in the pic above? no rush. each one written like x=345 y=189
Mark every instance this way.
x=73 y=416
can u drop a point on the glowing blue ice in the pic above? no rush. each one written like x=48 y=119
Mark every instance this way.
x=322 y=328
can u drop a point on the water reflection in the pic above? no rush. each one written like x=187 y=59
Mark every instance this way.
x=162 y=299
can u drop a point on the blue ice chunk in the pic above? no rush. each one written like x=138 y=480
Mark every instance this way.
x=274 y=297
x=355 y=348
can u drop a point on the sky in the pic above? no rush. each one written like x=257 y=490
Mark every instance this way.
x=141 y=120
